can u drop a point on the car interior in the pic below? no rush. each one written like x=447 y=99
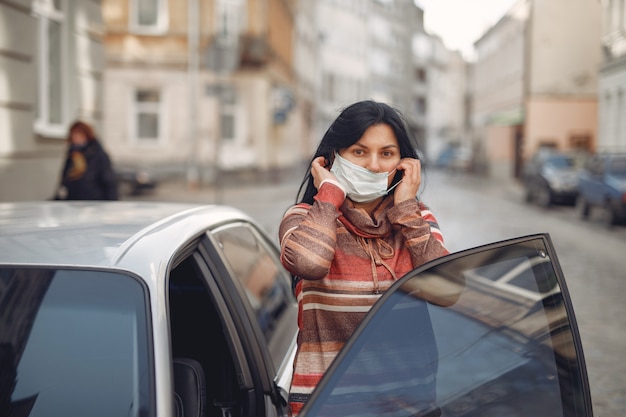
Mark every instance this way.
x=198 y=327
x=205 y=381
x=190 y=388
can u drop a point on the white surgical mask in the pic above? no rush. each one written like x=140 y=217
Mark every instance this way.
x=361 y=184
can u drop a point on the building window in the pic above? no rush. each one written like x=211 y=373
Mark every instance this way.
x=230 y=15
x=51 y=113
x=147 y=115
x=148 y=16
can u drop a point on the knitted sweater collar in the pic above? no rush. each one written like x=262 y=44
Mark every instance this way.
x=359 y=222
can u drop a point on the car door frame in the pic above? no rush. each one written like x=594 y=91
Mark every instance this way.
x=248 y=345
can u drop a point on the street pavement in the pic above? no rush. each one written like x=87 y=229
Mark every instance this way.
x=266 y=198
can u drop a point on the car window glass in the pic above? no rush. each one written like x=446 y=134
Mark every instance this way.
x=75 y=344
x=618 y=166
x=265 y=281
x=483 y=334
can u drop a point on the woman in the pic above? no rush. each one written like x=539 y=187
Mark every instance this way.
x=87 y=173
x=357 y=228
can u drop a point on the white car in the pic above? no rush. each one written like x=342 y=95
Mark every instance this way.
x=161 y=309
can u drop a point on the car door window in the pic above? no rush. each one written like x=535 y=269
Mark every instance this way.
x=74 y=343
x=266 y=283
x=483 y=332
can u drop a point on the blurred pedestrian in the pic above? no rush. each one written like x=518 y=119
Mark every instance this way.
x=87 y=173
x=357 y=227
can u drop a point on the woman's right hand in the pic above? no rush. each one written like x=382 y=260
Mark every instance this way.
x=320 y=171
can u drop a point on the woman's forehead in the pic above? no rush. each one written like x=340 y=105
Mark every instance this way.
x=378 y=136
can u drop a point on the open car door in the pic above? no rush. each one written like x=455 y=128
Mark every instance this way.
x=488 y=331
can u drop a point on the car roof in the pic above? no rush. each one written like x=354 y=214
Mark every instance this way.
x=119 y=234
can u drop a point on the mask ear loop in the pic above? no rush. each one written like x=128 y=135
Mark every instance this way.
x=396 y=184
x=393 y=186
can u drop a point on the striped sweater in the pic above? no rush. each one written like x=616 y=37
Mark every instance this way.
x=344 y=259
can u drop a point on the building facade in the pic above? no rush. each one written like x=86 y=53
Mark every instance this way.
x=440 y=87
x=51 y=70
x=612 y=78
x=390 y=29
x=306 y=67
x=343 y=73
x=201 y=87
x=378 y=49
x=498 y=91
x=265 y=87
x=531 y=88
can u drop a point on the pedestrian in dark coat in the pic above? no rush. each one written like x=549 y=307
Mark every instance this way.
x=87 y=173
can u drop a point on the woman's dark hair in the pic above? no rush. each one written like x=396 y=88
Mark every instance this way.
x=348 y=128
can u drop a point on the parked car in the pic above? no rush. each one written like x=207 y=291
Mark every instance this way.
x=134 y=180
x=603 y=184
x=551 y=177
x=455 y=158
x=162 y=309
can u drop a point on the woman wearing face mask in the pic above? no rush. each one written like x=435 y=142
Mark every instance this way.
x=87 y=173
x=358 y=226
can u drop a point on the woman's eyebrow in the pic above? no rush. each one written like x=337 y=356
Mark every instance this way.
x=360 y=145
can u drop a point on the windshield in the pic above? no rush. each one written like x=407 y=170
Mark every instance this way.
x=73 y=343
x=482 y=334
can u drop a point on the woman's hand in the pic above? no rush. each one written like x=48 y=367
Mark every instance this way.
x=411 y=179
x=320 y=172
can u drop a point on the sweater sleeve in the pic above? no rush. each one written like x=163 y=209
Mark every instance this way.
x=420 y=230
x=308 y=233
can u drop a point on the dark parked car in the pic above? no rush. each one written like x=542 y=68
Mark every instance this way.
x=157 y=309
x=603 y=184
x=134 y=180
x=551 y=177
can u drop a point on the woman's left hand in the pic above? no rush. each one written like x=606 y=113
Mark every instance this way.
x=411 y=179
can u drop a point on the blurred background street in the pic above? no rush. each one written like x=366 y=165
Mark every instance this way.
x=224 y=101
